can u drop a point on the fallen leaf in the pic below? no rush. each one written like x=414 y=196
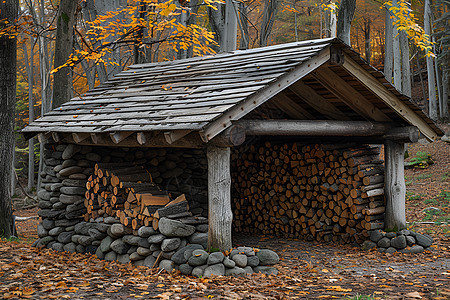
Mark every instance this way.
x=61 y=285
x=415 y=295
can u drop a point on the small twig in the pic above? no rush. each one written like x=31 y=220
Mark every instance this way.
x=22 y=189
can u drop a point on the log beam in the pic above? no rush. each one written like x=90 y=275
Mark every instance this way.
x=231 y=137
x=220 y=215
x=395 y=188
x=314 y=128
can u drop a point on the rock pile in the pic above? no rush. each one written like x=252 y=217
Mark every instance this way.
x=404 y=241
x=192 y=260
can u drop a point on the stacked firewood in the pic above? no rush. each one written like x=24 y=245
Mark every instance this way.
x=321 y=192
x=128 y=192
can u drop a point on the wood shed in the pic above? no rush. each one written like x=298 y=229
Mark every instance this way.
x=318 y=90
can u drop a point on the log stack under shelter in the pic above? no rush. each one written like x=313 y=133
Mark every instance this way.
x=320 y=192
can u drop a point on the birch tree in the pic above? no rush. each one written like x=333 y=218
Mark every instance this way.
x=432 y=100
x=344 y=20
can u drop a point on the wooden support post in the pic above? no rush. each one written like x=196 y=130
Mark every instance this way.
x=395 y=188
x=219 y=198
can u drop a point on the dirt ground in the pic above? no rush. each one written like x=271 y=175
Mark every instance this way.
x=306 y=271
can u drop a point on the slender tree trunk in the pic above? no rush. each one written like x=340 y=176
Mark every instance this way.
x=270 y=10
x=243 y=25
x=397 y=57
x=432 y=108
x=406 y=68
x=345 y=18
x=419 y=69
x=367 y=40
x=445 y=96
x=217 y=23
x=9 y=12
x=62 y=80
x=29 y=63
x=333 y=21
x=388 y=49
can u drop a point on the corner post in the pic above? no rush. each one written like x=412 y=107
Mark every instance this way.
x=395 y=188
x=220 y=215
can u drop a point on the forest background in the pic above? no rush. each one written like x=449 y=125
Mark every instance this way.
x=65 y=48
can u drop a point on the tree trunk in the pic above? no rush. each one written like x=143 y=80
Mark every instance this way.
x=217 y=23
x=243 y=25
x=9 y=12
x=333 y=21
x=62 y=80
x=219 y=198
x=397 y=57
x=367 y=40
x=270 y=10
x=445 y=95
x=345 y=18
x=433 y=107
x=395 y=188
x=388 y=46
x=29 y=63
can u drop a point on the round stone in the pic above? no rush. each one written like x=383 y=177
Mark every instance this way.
x=215 y=258
x=267 y=257
x=198 y=258
x=216 y=270
x=240 y=260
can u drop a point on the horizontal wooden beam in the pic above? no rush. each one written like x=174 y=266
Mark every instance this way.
x=314 y=127
x=230 y=137
x=408 y=134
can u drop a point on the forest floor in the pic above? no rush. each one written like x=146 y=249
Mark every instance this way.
x=307 y=270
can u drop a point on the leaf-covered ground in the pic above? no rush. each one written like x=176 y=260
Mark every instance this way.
x=307 y=270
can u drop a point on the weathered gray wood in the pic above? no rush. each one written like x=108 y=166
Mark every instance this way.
x=349 y=95
x=316 y=101
x=173 y=136
x=290 y=107
x=394 y=185
x=232 y=136
x=271 y=90
x=220 y=215
x=117 y=137
x=314 y=127
x=409 y=134
x=78 y=137
x=140 y=137
x=152 y=139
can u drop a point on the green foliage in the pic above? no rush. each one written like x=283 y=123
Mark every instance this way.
x=10 y=239
x=421 y=160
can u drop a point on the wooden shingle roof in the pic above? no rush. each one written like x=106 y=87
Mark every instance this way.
x=206 y=94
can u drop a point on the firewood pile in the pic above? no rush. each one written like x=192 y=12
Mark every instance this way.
x=128 y=192
x=318 y=192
